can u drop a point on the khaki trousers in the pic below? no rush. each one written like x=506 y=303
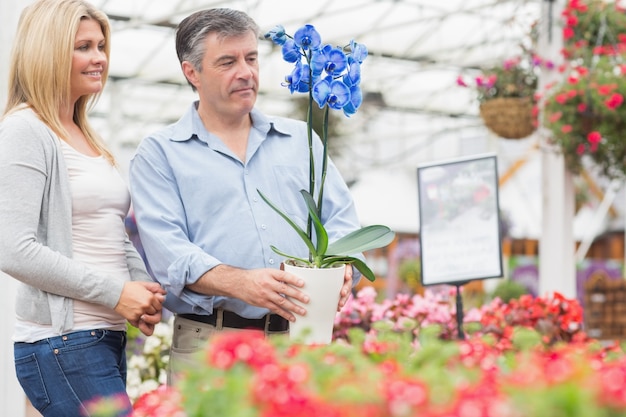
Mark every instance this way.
x=189 y=338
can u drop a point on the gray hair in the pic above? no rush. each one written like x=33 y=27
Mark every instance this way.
x=193 y=30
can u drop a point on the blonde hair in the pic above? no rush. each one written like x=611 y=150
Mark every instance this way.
x=41 y=63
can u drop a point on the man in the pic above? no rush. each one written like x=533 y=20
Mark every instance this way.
x=205 y=230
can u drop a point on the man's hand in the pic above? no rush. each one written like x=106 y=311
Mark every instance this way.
x=346 y=288
x=267 y=288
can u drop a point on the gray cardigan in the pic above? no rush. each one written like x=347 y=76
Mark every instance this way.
x=35 y=228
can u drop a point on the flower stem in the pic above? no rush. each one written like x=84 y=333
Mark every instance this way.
x=309 y=116
x=324 y=159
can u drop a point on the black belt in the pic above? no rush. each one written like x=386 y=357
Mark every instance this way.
x=230 y=319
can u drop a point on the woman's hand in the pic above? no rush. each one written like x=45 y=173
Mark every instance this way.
x=141 y=304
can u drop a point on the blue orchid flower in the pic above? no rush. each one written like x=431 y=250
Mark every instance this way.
x=277 y=35
x=334 y=93
x=329 y=59
x=359 y=51
x=338 y=90
x=354 y=72
x=291 y=51
x=356 y=98
x=307 y=37
x=292 y=80
x=298 y=80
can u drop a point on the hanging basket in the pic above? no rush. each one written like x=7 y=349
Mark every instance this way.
x=508 y=117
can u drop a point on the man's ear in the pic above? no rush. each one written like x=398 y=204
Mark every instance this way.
x=190 y=73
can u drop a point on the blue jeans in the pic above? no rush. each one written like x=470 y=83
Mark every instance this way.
x=61 y=374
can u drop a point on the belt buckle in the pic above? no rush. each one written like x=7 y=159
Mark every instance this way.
x=276 y=323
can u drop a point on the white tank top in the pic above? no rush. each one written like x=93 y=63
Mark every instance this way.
x=100 y=203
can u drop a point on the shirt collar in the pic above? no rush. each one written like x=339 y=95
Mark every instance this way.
x=190 y=125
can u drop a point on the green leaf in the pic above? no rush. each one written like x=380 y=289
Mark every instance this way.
x=295 y=227
x=320 y=231
x=358 y=264
x=367 y=238
x=364 y=269
x=281 y=253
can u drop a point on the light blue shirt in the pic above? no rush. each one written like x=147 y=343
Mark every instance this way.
x=197 y=205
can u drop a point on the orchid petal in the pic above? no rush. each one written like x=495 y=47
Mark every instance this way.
x=291 y=52
x=307 y=37
x=359 y=51
x=321 y=91
x=277 y=35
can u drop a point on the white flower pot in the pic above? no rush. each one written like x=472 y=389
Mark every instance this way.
x=323 y=286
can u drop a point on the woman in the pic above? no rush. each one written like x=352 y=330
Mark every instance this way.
x=62 y=209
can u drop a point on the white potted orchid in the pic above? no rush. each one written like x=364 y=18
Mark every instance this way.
x=331 y=77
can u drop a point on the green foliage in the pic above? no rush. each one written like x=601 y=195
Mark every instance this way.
x=410 y=272
x=325 y=255
x=516 y=77
x=507 y=290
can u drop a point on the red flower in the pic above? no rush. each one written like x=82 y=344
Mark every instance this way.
x=571 y=20
x=614 y=101
x=594 y=137
x=561 y=98
x=404 y=394
x=247 y=346
x=165 y=401
x=604 y=90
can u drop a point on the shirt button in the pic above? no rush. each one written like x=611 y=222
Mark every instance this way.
x=271 y=261
x=255 y=199
x=263 y=227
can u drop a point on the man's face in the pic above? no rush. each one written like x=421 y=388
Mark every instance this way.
x=229 y=80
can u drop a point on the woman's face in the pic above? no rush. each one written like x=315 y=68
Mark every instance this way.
x=88 y=60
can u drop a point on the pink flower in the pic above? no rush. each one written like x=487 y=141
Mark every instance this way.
x=554 y=117
x=561 y=98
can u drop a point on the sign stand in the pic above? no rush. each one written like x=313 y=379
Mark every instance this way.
x=460 y=229
x=459 y=310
